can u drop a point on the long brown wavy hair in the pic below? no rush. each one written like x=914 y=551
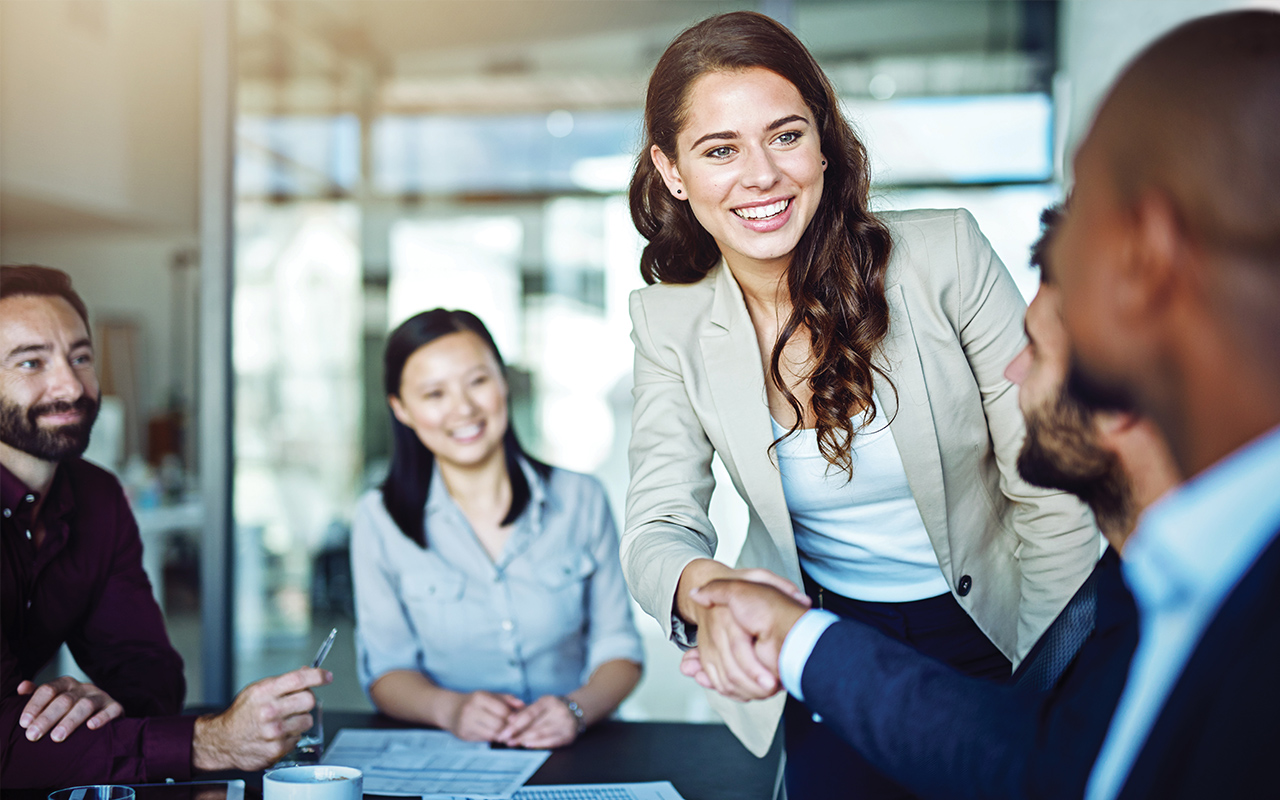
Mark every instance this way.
x=837 y=273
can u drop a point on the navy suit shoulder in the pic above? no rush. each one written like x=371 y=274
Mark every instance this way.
x=1216 y=735
x=946 y=735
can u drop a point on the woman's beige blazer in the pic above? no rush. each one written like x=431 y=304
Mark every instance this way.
x=955 y=323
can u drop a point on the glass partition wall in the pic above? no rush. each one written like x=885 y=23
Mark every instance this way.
x=393 y=157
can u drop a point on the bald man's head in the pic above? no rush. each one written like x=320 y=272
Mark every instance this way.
x=1168 y=261
x=1197 y=116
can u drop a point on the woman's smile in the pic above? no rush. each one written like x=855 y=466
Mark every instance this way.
x=765 y=217
x=468 y=433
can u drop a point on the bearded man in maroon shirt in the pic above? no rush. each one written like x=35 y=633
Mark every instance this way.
x=71 y=571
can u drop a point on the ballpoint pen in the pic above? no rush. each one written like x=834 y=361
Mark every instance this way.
x=324 y=649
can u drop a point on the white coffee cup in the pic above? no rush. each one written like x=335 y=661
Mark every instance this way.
x=319 y=782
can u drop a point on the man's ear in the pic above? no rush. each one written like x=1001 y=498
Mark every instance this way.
x=1109 y=424
x=1159 y=264
x=669 y=172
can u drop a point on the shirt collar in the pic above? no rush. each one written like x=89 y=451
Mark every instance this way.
x=17 y=497
x=1209 y=530
x=13 y=492
x=439 y=499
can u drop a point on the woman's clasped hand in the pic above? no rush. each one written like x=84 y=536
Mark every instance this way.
x=726 y=658
x=506 y=719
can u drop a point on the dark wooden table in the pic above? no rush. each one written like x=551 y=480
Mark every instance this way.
x=703 y=761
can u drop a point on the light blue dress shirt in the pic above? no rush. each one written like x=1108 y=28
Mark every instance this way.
x=798 y=646
x=1189 y=552
x=537 y=621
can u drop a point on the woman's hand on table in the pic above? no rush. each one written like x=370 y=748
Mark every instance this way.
x=481 y=716
x=547 y=722
x=726 y=649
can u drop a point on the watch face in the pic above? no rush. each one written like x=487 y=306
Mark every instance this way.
x=576 y=710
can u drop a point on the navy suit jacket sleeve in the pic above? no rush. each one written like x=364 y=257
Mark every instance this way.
x=937 y=732
x=947 y=735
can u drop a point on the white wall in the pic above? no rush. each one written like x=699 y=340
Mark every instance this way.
x=99 y=156
x=1099 y=37
x=99 y=108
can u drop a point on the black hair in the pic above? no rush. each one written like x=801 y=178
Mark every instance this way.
x=404 y=492
x=32 y=279
x=1050 y=219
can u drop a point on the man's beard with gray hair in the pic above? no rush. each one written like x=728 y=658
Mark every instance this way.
x=20 y=428
x=1061 y=452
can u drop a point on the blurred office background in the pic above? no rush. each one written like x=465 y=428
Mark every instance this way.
x=250 y=194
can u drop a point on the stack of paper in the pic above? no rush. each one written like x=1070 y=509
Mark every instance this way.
x=435 y=765
x=432 y=764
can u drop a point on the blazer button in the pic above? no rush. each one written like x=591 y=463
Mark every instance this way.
x=965 y=584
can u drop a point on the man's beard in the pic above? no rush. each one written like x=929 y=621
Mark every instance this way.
x=20 y=428
x=1061 y=452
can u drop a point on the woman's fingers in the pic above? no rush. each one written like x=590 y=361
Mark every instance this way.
x=776 y=581
x=729 y=657
x=691 y=663
x=555 y=727
x=522 y=720
x=482 y=716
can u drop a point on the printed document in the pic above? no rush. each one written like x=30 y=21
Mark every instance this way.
x=433 y=765
x=662 y=790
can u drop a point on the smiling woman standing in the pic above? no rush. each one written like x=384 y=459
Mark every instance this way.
x=489 y=598
x=847 y=367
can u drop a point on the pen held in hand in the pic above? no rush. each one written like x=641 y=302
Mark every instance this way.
x=324 y=649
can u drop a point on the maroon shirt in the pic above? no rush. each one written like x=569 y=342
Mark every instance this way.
x=85 y=586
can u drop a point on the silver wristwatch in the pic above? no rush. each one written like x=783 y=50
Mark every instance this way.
x=576 y=710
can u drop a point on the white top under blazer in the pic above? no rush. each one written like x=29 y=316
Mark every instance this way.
x=861 y=537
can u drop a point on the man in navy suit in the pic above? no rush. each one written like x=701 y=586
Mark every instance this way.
x=1168 y=268
x=946 y=735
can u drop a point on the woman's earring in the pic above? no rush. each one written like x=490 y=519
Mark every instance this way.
x=681 y=191
x=824 y=163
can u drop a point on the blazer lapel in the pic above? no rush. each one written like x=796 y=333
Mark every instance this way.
x=736 y=381
x=913 y=427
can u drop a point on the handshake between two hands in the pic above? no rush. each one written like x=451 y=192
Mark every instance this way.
x=742 y=622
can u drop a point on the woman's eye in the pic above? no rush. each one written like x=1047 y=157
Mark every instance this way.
x=476 y=381
x=724 y=151
x=790 y=137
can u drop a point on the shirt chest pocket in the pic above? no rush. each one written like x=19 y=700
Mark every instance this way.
x=562 y=585
x=434 y=596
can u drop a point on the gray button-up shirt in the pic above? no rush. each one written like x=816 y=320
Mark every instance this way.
x=539 y=620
